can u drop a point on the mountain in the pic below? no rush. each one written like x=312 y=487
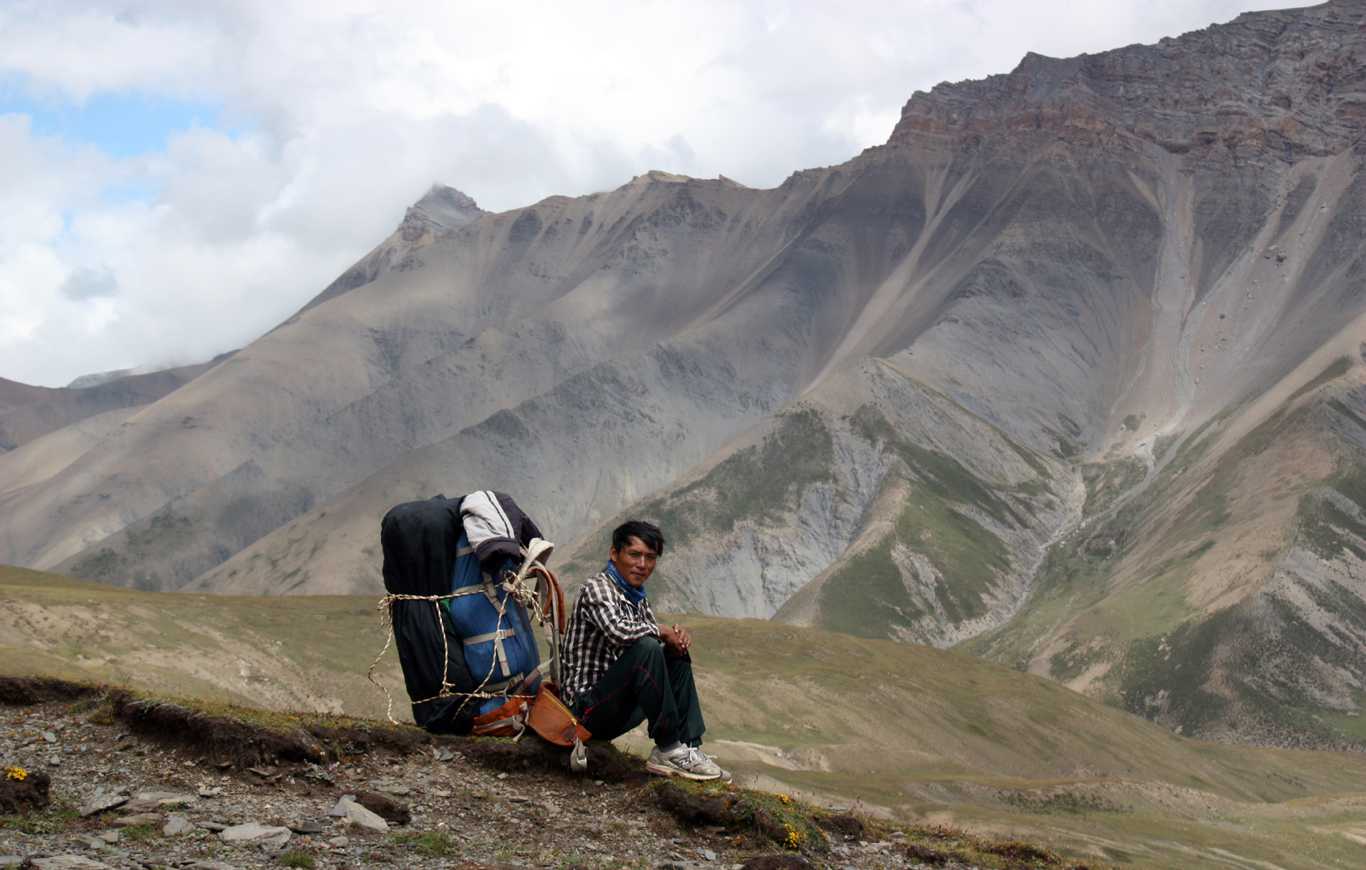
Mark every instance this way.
x=28 y=412
x=94 y=379
x=1069 y=371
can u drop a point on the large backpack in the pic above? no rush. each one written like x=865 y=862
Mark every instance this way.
x=462 y=636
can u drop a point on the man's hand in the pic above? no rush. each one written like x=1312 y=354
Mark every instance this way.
x=676 y=638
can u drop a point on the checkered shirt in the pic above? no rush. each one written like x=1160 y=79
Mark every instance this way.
x=601 y=626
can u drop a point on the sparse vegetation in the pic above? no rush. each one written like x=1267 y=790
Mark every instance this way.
x=431 y=844
x=1060 y=801
x=1169 y=674
x=868 y=596
x=1108 y=481
x=301 y=646
x=140 y=833
x=786 y=822
x=1076 y=659
x=53 y=820
x=938 y=845
x=1330 y=516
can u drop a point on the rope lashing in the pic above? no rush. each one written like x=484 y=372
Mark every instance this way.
x=517 y=587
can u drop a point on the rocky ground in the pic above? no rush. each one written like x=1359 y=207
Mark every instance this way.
x=140 y=784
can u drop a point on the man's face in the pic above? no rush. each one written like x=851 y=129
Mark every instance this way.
x=635 y=561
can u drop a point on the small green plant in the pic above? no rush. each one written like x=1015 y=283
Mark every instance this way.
x=297 y=858
x=139 y=833
x=433 y=844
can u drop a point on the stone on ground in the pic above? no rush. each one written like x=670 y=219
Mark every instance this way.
x=176 y=824
x=385 y=807
x=256 y=833
x=103 y=799
x=69 y=862
x=152 y=800
x=134 y=819
x=353 y=813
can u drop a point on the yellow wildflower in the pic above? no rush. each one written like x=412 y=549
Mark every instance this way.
x=794 y=838
x=785 y=798
x=18 y=774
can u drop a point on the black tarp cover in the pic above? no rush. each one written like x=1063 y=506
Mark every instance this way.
x=419 y=540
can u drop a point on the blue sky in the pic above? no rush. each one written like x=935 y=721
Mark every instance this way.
x=120 y=124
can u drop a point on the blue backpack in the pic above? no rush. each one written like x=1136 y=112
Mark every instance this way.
x=500 y=645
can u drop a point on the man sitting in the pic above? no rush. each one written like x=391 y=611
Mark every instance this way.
x=622 y=667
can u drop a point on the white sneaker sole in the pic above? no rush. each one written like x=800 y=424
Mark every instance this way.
x=669 y=770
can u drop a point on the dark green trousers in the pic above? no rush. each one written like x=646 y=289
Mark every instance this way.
x=647 y=683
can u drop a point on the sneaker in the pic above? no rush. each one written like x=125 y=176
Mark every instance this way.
x=686 y=762
x=725 y=774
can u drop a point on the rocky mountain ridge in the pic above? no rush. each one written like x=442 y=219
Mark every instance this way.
x=1283 y=84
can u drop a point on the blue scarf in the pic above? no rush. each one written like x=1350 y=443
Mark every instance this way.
x=633 y=595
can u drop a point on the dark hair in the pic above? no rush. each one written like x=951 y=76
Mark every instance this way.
x=649 y=535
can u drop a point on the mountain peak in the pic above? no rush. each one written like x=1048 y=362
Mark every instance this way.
x=444 y=206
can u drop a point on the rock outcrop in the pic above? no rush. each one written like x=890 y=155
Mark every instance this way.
x=1268 y=86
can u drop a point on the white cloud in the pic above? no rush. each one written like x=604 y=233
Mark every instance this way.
x=86 y=283
x=77 y=49
x=347 y=111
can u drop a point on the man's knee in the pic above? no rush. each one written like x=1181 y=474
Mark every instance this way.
x=647 y=646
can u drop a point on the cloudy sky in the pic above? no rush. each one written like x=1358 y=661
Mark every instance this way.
x=177 y=177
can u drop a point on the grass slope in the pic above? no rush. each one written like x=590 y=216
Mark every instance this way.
x=284 y=653
x=933 y=735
